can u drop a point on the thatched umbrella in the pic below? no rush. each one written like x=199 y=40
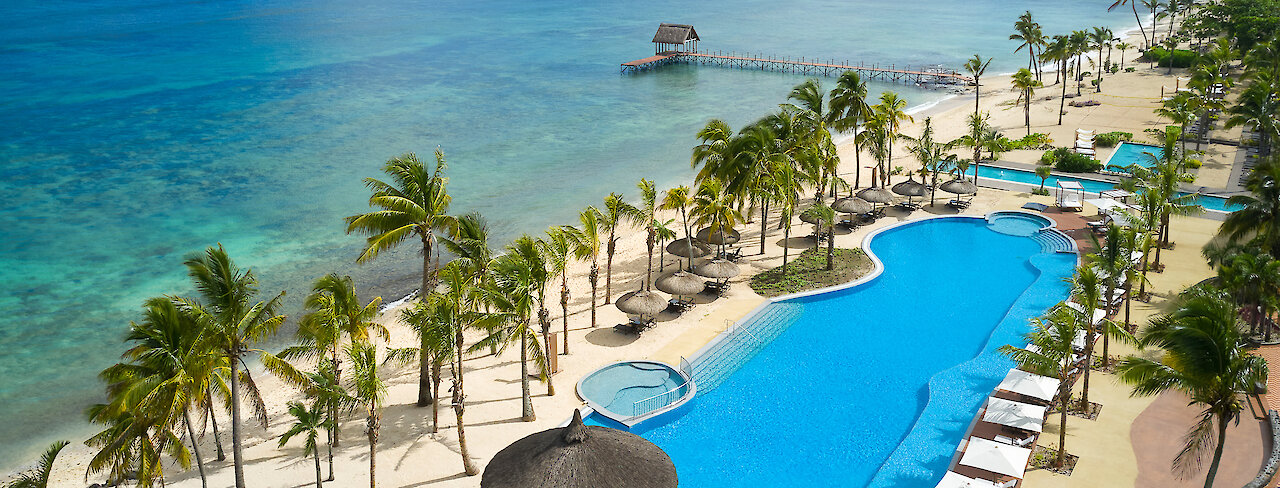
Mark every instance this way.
x=727 y=237
x=959 y=186
x=641 y=303
x=680 y=284
x=682 y=248
x=876 y=195
x=851 y=205
x=910 y=188
x=580 y=456
x=718 y=269
x=809 y=217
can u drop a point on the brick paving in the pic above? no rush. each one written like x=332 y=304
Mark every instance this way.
x=1157 y=438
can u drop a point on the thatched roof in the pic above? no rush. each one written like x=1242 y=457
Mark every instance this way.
x=580 y=456
x=680 y=284
x=851 y=205
x=641 y=303
x=717 y=269
x=727 y=237
x=960 y=186
x=910 y=188
x=675 y=34
x=876 y=195
x=681 y=247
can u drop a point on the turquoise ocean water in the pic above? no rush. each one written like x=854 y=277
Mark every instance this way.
x=137 y=132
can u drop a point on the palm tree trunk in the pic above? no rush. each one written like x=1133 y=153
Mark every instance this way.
x=1062 y=426
x=237 y=448
x=424 y=375
x=336 y=436
x=435 y=403
x=217 y=438
x=195 y=446
x=316 y=455
x=1088 y=358
x=648 y=270
x=1217 y=451
x=608 y=269
x=1062 y=102
x=1133 y=5
x=1027 y=109
x=857 y=153
x=546 y=353
x=786 y=236
x=977 y=94
x=594 y=277
x=764 y=218
x=526 y=402
x=372 y=423
x=1111 y=290
x=564 y=308
x=831 y=247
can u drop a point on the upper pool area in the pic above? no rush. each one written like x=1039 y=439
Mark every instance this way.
x=1129 y=154
x=1209 y=202
x=873 y=384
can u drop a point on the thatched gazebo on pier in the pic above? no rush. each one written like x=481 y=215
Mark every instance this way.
x=677 y=38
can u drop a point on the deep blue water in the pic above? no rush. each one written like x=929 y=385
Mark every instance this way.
x=137 y=132
x=873 y=385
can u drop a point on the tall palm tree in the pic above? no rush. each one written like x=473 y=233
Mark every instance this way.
x=848 y=109
x=1124 y=46
x=1180 y=109
x=1259 y=108
x=1111 y=259
x=461 y=302
x=1259 y=215
x=893 y=110
x=679 y=198
x=370 y=391
x=133 y=446
x=234 y=324
x=414 y=203
x=933 y=155
x=512 y=294
x=1084 y=288
x=1079 y=43
x=1059 y=49
x=786 y=192
x=586 y=244
x=38 y=477
x=714 y=207
x=826 y=218
x=557 y=250
x=976 y=66
x=1053 y=356
x=615 y=214
x=1133 y=4
x=1204 y=358
x=877 y=140
x=1100 y=37
x=714 y=153
x=307 y=423
x=435 y=347
x=979 y=136
x=1028 y=31
x=1026 y=84
x=646 y=215
x=529 y=250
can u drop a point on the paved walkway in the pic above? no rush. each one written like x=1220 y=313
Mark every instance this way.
x=1157 y=438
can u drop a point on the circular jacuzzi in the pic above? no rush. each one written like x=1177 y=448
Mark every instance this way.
x=631 y=391
x=1017 y=223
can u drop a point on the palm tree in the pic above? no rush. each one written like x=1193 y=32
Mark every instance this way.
x=435 y=347
x=646 y=215
x=1023 y=81
x=616 y=213
x=932 y=155
x=849 y=108
x=307 y=423
x=1111 y=259
x=460 y=302
x=1079 y=43
x=1180 y=109
x=1124 y=46
x=587 y=246
x=529 y=251
x=1028 y=31
x=976 y=66
x=371 y=392
x=1084 y=288
x=1133 y=4
x=1100 y=37
x=1204 y=358
x=557 y=248
x=979 y=136
x=38 y=477
x=233 y=325
x=1059 y=50
x=826 y=218
x=893 y=110
x=1053 y=356
x=512 y=294
x=715 y=207
x=679 y=198
x=714 y=152
x=1257 y=107
x=133 y=446
x=1259 y=215
x=415 y=202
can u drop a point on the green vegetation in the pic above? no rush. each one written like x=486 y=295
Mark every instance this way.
x=1112 y=139
x=809 y=272
x=1067 y=161
x=1181 y=58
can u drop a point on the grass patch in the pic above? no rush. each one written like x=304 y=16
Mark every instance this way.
x=808 y=271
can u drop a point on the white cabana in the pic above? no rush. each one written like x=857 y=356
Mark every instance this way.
x=953 y=480
x=996 y=457
x=1070 y=195
x=1015 y=414
x=1105 y=205
x=1098 y=314
x=1030 y=384
x=1115 y=194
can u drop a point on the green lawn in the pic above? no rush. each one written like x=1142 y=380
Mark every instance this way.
x=808 y=272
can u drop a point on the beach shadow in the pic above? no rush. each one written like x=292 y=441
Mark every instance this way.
x=607 y=337
x=801 y=242
x=454 y=476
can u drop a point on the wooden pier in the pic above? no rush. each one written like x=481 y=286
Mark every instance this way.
x=807 y=66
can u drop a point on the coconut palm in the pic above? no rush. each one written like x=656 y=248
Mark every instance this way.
x=893 y=111
x=1204 y=358
x=976 y=66
x=435 y=347
x=586 y=244
x=529 y=250
x=1180 y=109
x=1053 y=356
x=460 y=303
x=1259 y=109
x=233 y=324
x=979 y=136
x=848 y=109
x=646 y=216
x=1026 y=85
x=714 y=152
x=714 y=207
x=1084 y=289
x=1100 y=37
x=1124 y=46
x=414 y=203
x=307 y=423
x=511 y=295
x=38 y=477
x=1111 y=259
x=679 y=198
x=1028 y=31
x=133 y=446
x=933 y=155
x=370 y=392
x=1259 y=215
x=1059 y=50
x=557 y=249
x=1133 y=5
x=876 y=139
x=665 y=234
x=826 y=218
x=1079 y=44
x=615 y=214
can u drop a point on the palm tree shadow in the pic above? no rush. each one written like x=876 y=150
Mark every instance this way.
x=607 y=337
x=800 y=242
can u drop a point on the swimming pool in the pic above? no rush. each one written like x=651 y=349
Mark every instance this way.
x=1209 y=202
x=1131 y=153
x=628 y=391
x=872 y=385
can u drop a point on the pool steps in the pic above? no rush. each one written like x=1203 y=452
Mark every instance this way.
x=744 y=341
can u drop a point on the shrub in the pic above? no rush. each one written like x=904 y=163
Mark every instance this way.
x=1039 y=191
x=1111 y=139
x=1031 y=141
x=1181 y=58
x=1193 y=163
x=1066 y=161
x=1049 y=158
x=1130 y=69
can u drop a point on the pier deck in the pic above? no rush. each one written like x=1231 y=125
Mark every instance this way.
x=801 y=65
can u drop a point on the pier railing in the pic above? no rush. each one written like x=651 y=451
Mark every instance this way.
x=808 y=66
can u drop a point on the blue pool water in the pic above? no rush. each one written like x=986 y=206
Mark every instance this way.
x=1017 y=223
x=1129 y=154
x=1092 y=186
x=876 y=384
x=619 y=386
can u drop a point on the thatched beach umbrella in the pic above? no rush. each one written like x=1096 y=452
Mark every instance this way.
x=809 y=217
x=727 y=237
x=580 y=456
x=910 y=188
x=876 y=195
x=681 y=248
x=851 y=205
x=959 y=187
x=718 y=269
x=680 y=283
x=641 y=303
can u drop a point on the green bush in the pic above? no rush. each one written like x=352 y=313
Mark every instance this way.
x=1193 y=163
x=1038 y=191
x=1031 y=141
x=1130 y=69
x=1066 y=161
x=1182 y=58
x=1111 y=139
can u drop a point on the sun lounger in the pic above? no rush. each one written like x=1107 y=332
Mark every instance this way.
x=1039 y=207
x=1024 y=442
x=681 y=304
x=958 y=204
x=733 y=255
